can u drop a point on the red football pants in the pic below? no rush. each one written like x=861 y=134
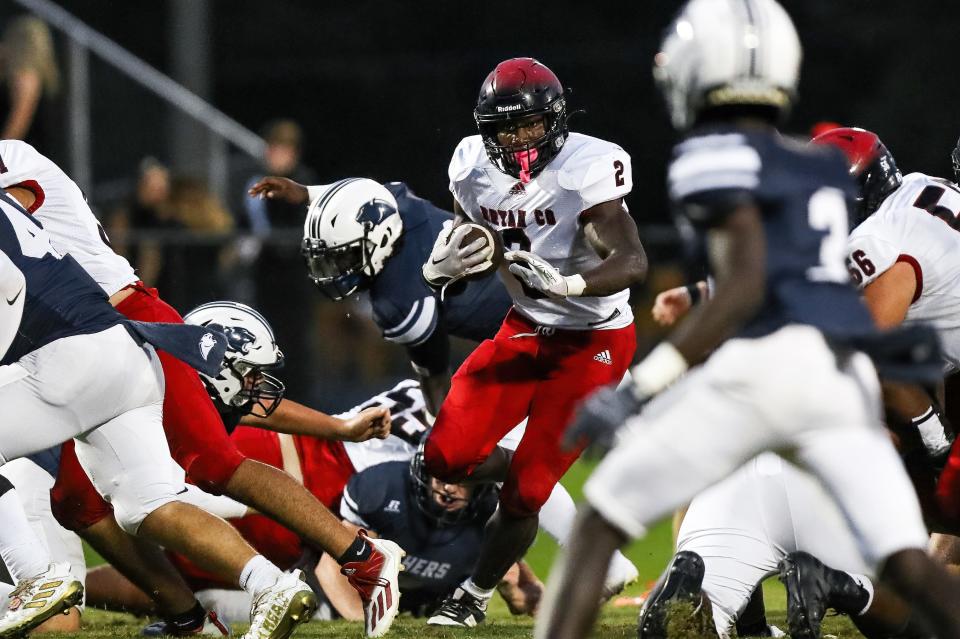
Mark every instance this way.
x=523 y=372
x=195 y=432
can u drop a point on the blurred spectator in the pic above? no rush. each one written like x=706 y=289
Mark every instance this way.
x=28 y=69
x=281 y=158
x=147 y=209
x=202 y=258
x=281 y=288
x=171 y=230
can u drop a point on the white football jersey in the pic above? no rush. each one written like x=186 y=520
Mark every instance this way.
x=543 y=217
x=63 y=210
x=913 y=225
x=408 y=424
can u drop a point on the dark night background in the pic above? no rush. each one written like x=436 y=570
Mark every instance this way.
x=386 y=89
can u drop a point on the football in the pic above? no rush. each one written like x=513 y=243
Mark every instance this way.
x=478 y=231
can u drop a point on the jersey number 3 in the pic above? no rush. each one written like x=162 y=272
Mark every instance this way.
x=827 y=211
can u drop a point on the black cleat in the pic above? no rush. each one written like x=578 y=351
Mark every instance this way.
x=459 y=609
x=808 y=593
x=813 y=587
x=679 y=586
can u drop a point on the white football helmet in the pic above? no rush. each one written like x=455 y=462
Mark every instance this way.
x=350 y=231
x=719 y=53
x=242 y=384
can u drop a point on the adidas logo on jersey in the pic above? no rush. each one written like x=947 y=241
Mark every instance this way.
x=517 y=189
x=604 y=358
x=392 y=507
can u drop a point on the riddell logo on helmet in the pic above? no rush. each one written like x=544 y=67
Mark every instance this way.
x=512 y=107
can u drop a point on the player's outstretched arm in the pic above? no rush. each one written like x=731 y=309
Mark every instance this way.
x=296 y=419
x=673 y=304
x=280 y=188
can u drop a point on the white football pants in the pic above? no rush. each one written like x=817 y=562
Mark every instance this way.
x=105 y=391
x=788 y=392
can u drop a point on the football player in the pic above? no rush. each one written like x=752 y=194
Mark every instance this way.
x=360 y=235
x=901 y=256
x=194 y=430
x=71 y=354
x=441 y=523
x=369 y=475
x=780 y=337
x=556 y=199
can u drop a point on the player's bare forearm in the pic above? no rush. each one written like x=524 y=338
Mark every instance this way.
x=296 y=419
x=280 y=188
x=738 y=261
x=613 y=235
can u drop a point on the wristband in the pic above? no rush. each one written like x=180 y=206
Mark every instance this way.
x=663 y=366
x=932 y=432
x=693 y=290
x=575 y=285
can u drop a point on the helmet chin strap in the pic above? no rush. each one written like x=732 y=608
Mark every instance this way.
x=525 y=158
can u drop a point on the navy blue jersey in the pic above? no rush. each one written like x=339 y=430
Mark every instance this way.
x=407 y=310
x=61 y=298
x=803 y=193
x=381 y=499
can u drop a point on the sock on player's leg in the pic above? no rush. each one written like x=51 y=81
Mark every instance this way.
x=258 y=575
x=476 y=591
x=24 y=554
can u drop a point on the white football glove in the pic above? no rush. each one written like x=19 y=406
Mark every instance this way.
x=448 y=262
x=539 y=275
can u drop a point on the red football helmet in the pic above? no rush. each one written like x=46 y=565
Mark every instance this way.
x=871 y=164
x=516 y=89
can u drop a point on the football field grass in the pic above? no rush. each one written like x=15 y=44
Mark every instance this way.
x=650 y=555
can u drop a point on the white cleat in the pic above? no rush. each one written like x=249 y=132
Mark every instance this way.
x=376 y=581
x=621 y=574
x=39 y=598
x=279 y=609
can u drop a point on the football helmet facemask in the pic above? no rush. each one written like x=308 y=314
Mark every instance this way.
x=243 y=385
x=871 y=165
x=518 y=90
x=720 y=56
x=482 y=496
x=350 y=231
